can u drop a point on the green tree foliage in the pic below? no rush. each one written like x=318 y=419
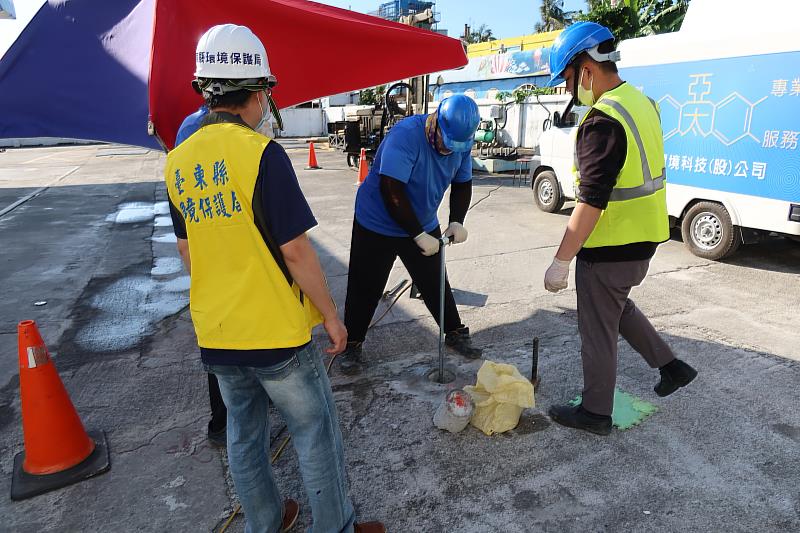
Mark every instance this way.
x=520 y=94
x=636 y=18
x=372 y=96
x=553 y=16
x=480 y=35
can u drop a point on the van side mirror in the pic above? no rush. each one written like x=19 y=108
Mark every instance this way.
x=556 y=119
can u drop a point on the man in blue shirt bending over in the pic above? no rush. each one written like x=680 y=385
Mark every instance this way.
x=395 y=216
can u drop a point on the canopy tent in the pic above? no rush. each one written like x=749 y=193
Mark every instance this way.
x=100 y=70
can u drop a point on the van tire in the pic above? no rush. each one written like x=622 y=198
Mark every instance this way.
x=708 y=231
x=547 y=193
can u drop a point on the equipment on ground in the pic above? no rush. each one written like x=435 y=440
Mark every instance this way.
x=535 y=363
x=366 y=127
x=440 y=374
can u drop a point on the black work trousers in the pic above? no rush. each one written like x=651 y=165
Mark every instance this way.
x=219 y=414
x=372 y=256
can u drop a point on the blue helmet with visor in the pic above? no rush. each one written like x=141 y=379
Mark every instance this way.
x=458 y=119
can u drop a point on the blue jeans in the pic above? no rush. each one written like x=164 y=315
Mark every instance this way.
x=301 y=392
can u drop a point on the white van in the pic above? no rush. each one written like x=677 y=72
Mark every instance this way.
x=728 y=88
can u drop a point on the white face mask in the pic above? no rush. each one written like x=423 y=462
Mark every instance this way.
x=265 y=111
x=586 y=97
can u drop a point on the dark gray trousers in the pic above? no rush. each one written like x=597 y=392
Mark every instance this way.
x=604 y=313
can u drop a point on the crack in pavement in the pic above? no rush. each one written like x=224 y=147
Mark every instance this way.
x=159 y=433
x=681 y=269
x=484 y=198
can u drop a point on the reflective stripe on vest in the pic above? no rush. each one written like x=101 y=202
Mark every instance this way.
x=650 y=184
x=637 y=209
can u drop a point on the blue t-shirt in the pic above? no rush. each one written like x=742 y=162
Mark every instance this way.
x=406 y=155
x=191 y=124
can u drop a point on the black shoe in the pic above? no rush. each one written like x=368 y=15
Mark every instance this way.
x=579 y=418
x=351 y=360
x=460 y=341
x=674 y=375
x=218 y=438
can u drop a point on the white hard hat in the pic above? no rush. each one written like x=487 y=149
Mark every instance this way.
x=231 y=52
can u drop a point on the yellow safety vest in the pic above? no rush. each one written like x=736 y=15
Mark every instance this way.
x=240 y=299
x=637 y=210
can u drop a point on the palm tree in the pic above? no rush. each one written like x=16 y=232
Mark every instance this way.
x=553 y=16
x=480 y=35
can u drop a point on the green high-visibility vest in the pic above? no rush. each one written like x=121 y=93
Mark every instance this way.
x=637 y=210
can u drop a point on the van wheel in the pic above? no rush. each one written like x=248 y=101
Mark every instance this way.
x=547 y=193
x=708 y=232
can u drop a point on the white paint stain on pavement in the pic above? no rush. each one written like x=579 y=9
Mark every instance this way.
x=132 y=213
x=128 y=309
x=180 y=284
x=166 y=238
x=173 y=504
x=163 y=222
x=166 y=266
x=125 y=310
x=161 y=208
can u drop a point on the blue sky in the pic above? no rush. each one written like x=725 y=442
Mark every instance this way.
x=506 y=18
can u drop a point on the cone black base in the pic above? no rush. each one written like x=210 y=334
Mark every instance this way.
x=25 y=485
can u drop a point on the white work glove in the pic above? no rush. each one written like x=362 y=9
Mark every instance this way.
x=457 y=232
x=427 y=243
x=555 y=279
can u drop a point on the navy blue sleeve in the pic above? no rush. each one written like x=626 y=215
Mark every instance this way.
x=286 y=211
x=178 y=224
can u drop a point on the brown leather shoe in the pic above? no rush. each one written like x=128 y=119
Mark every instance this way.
x=291 y=510
x=370 y=527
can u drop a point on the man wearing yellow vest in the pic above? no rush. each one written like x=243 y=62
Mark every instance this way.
x=618 y=222
x=257 y=288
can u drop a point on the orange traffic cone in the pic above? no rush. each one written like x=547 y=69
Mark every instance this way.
x=58 y=451
x=312 y=158
x=363 y=167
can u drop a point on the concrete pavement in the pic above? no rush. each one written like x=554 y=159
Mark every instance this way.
x=722 y=454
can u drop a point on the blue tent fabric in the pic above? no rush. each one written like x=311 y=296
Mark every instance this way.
x=92 y=58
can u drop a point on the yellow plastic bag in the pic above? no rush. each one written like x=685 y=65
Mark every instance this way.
x=500 y=396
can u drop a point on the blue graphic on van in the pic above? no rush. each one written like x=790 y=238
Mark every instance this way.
x=730 y=124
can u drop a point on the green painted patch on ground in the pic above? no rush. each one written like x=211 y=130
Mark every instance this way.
x=628 y=409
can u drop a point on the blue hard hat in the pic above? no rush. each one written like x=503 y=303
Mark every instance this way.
x=458 y=119
x=571 y=42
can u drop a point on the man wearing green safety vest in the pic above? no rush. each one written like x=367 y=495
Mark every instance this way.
x=618 y=222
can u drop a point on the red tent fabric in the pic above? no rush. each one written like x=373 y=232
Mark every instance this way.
x=314 y=50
